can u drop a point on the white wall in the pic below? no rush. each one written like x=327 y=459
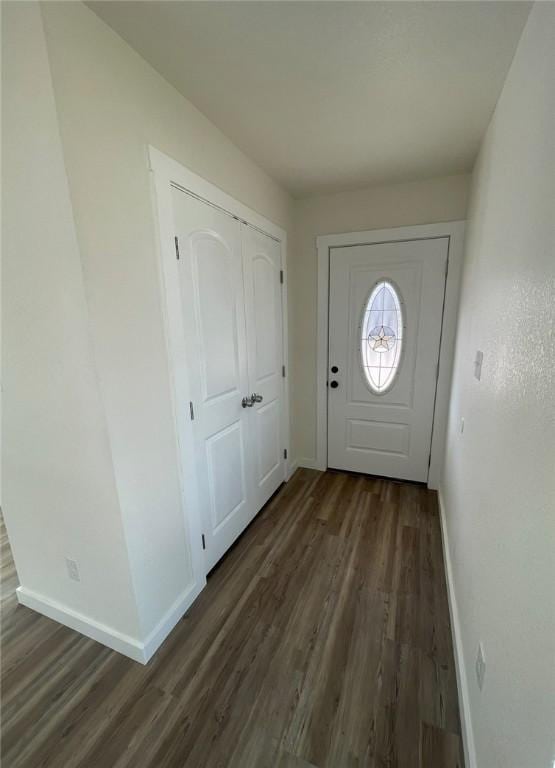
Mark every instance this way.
x=59 y=495
x=111 y=105
x=107 y=104
x=498 y=489
x=395 y=205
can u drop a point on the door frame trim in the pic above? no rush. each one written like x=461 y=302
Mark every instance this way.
x=454 y=231
x=166 y=172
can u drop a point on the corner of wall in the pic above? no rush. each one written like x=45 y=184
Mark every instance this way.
x=59 y=494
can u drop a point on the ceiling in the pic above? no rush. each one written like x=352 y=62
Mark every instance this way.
x=331 y=95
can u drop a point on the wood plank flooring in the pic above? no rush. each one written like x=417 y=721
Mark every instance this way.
x=321 y=641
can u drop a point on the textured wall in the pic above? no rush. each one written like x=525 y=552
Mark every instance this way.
x=499 y=483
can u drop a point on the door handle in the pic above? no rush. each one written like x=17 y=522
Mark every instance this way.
x=256 y=398
x=334 y=384
x=247 y=402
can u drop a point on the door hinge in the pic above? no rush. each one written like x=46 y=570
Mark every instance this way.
x=283 y=371
x=192 y=410
x=285 y=453
x=176 y=247
x=203 y=541
x=281 y=276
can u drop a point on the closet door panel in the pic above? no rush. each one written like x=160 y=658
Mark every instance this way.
x=266 y=362
x=262 y=265
x=213 y=272
x=226 y=461
x=213 y=302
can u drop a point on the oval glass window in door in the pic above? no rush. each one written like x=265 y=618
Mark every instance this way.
x=381 y=338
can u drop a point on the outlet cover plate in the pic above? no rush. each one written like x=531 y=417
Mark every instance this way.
x=72 y=569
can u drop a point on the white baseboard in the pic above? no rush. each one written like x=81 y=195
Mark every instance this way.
x=460 y=667
x=308 y=463
x=155 y=639
x=291 y=469
x=108 y=636
x=305 y=463
x=125 y=644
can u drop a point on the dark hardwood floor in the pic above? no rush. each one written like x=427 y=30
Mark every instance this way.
x=322 y=639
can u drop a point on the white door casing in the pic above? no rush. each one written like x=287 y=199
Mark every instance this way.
x=385 y=433
x=166 y=175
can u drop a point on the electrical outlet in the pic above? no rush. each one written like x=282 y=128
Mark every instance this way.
x=480 y=666
x=72 y=569
x=478 y=364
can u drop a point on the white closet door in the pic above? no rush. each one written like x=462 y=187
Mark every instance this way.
x=262 y=265
x=213 y=303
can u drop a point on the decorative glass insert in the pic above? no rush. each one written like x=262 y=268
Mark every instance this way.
x=381 y=338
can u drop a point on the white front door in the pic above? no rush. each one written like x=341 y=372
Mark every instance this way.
x=385 y=316
x=232 y=325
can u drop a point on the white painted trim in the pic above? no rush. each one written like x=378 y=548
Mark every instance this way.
x=308 y=463
x=446 y=350
x=454 y=230
x=298 y=463
x=286 y=427
x=108 y=636
x=174 y=335
x=170 y=619
x=460 y=667
x=165 y=172
x=293 y=466
x=322 y=342
x=177 y=173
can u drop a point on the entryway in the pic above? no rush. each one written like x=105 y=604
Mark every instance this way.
x=385 y=314
x=387 y=303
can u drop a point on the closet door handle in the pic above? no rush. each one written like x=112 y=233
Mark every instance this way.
x=247 y=402
x=256 y=398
